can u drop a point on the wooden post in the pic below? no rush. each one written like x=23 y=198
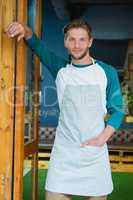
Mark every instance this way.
x=12 y=112
x=36 y=107
x=7 y=69
x=19 y=109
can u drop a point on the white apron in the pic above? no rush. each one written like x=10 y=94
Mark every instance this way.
x=73 y=169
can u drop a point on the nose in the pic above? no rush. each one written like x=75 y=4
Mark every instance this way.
x=76 y=44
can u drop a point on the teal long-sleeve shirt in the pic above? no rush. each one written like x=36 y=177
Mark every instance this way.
x=113 y=91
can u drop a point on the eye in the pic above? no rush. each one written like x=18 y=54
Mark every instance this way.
x=71 y=39
x=82 y=39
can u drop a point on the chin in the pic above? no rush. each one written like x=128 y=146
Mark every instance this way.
x=76 y=57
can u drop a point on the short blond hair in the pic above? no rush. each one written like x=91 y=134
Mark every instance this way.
x=77 y=23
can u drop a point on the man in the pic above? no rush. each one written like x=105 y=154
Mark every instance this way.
x=87 y=90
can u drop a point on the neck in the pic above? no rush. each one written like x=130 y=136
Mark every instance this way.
x=83 y=61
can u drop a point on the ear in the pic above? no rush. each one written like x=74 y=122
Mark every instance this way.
x=90 y=42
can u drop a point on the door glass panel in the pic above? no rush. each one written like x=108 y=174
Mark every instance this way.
x=29 y=88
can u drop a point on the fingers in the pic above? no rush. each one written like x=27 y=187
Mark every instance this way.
x=83 y=144
x=9 y=26
x=91 y=142
x=9 y=30
x=15 y=29
x=20 y=37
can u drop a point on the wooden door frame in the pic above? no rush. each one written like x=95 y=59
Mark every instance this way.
x=22 y=150
x=7 y=80
x=19 y=110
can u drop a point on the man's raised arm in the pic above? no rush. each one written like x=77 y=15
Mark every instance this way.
x=48 y=58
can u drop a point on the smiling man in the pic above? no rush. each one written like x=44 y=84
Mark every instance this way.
x=87 y=90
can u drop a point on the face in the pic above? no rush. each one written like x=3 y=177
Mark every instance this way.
x=78 y=43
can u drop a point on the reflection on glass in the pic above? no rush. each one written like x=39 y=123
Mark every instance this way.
x=29 y=88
